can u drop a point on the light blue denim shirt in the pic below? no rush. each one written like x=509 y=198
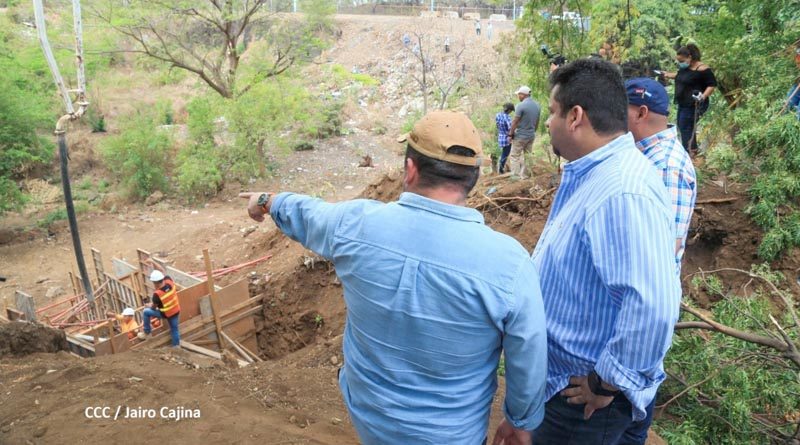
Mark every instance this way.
x=606 y=259
x=433 y=296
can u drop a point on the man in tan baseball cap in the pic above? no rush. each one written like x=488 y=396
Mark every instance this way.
x=443 y=152
x=433 y=298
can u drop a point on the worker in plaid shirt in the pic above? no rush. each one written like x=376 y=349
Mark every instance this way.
x=503 y=122
x=648 y=108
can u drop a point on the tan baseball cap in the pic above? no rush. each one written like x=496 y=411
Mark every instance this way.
x=439 y=130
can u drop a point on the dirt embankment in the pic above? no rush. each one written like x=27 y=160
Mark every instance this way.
x=19 y=338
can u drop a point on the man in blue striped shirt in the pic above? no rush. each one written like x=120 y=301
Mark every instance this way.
x=606 y=262
x=433 y=297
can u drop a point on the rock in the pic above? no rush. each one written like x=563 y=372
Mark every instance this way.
x=334 y=360
x=336 y=421
x=293 y=419
x=5 y=429
x=54 y=292
x=155 y=198
x=135 y=379
x=248 y=230
x=366 y=161
x=40 y=431
x=41 y=279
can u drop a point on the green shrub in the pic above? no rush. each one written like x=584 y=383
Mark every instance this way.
x=198 y=173
x=734 y=383
x=96 y=120
x=164 y=108
x=61 y=214
x=140 y=156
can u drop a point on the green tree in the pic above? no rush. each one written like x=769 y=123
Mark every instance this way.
x=23 y=114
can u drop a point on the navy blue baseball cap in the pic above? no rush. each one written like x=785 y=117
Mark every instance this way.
x=648 y=92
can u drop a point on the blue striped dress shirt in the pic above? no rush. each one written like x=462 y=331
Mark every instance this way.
x=606 y=264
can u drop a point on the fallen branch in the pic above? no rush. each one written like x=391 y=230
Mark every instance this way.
x=717 y=200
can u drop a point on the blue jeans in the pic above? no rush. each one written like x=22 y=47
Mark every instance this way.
x=686 y=122
x=794 y=101
x=503 y=158
x=173 y=323
x=564 y=425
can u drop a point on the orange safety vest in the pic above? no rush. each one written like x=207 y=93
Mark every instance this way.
x=168 y=294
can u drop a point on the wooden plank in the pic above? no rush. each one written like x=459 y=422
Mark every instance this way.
x=15 y=315
x=250 y=353
x=231 y=296
x=207 y=352
x=238 y=349
x=114 y=345
x=189 y=300
x=25 y=304
x=97 y=259
x=215 y=306
x=206 y=329
x=208 y=316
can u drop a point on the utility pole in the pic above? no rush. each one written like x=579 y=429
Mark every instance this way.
x=433 y=8
x=71 y=114
x=294 y=5
x=514 y=12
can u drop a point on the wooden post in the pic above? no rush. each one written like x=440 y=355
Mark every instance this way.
x=213 y=297
x=111 y=335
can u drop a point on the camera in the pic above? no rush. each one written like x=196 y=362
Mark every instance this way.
x=555 y=59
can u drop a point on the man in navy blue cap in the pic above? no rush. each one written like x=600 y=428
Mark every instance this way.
x=648 y=108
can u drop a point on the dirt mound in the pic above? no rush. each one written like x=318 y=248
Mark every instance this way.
x=51 y=398
x=21 y=338
x=387 y=188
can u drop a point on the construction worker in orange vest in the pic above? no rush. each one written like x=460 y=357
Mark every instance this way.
x=164 y=304
x=126 y=321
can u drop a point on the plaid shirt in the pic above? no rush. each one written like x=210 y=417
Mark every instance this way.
x=664 y=149
x=503 y=122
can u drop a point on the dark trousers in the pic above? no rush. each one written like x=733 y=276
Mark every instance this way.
x=613 y=425
x=686 y=121
x=504 y=158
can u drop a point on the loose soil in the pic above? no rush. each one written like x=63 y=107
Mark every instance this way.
x=20 y=338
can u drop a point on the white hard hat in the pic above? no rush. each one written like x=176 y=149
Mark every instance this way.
x=128 y=312
x=156 y=275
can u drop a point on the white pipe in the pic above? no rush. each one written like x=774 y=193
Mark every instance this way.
x=76 y=15
x=38 y=11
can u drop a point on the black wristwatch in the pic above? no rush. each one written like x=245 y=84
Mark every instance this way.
x=596 y=386
x=263 y=200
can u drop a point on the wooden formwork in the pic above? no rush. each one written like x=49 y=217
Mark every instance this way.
x=91 y=334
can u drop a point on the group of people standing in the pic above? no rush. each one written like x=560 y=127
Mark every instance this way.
x=434 y=297
x=694 y=84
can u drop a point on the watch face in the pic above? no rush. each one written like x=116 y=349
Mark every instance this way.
x=262 y=200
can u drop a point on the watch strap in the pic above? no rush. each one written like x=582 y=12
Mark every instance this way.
x=596 y=386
